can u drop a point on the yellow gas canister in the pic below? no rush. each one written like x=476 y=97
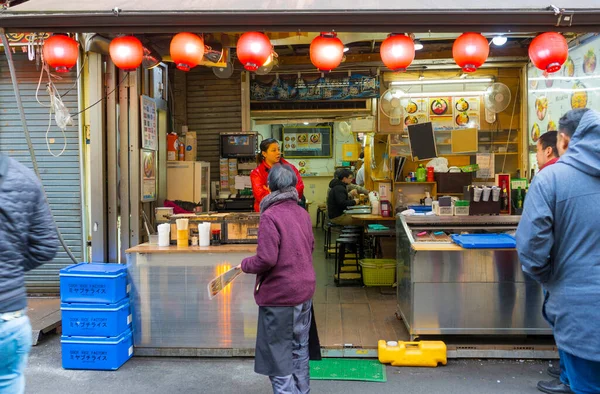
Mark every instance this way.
x=412 y=354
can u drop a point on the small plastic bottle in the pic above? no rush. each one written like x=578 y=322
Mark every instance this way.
x=400 y=201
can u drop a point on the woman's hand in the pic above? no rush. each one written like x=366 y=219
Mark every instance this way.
x=238 y=267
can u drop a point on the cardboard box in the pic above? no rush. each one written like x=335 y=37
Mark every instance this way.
x=190 y=146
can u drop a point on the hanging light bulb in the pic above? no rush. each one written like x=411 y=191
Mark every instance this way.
x=499 y=40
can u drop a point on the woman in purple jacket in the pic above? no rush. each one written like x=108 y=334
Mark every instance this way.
x=285 y=284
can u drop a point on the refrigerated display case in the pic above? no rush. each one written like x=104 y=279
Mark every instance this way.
x=444 y=289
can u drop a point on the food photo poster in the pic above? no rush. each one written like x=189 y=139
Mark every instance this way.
x=575 y=85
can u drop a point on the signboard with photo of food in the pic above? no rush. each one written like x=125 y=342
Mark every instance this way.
x=439 y=106
x=576 y=85
x=307 y=141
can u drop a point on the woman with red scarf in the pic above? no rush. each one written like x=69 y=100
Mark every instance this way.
x=269 y=154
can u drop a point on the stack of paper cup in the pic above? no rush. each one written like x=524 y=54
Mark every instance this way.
x=164 y=234
x=204 y=233
x=182 y=232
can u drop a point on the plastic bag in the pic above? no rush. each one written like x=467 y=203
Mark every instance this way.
x=439 y=164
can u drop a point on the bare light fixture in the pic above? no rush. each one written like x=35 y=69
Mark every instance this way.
x=346 y=49
x=499 y=40
x=418 y=45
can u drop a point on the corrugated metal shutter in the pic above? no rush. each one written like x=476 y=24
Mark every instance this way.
x=213 y=105
x=60 y=176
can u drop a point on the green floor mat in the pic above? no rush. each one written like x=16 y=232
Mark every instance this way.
x=347 y=369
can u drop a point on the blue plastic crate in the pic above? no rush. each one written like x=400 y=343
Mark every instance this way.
x=95 y=283
x=96 y=320
x=101 y=353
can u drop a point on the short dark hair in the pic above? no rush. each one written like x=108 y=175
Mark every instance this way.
x=281 y=176
x=570 y=121
x=362 y=155
x=548 y=140
x=343 y=173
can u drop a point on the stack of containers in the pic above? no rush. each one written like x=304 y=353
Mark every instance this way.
x=96 y=316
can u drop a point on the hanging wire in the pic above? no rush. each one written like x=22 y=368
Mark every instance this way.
x=103 y=98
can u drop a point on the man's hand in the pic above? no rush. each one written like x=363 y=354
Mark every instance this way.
x=353 y=193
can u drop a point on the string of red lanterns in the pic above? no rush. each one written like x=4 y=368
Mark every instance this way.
x=548 y=51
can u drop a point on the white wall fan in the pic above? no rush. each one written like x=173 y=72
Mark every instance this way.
x=495 y=100
x=345 y=129
x=391 y=106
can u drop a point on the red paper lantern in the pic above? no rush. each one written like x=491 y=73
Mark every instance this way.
x=126 y=52
x=549 y=51
x=397 y=52
x=61 y=52
x=253 y=50
x=187 y=50
x=470 y=51
x=326 y=51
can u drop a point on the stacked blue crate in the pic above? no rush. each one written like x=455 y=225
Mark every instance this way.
x=96 y=316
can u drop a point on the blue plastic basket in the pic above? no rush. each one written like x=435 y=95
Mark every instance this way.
x=99 y=353
x=96 y=320
x=95 y=283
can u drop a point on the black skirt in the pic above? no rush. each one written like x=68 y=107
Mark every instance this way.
x=274 y=341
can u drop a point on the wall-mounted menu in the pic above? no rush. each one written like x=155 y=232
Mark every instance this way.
x=444 y=113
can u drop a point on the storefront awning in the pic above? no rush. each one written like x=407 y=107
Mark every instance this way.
x=147 y=16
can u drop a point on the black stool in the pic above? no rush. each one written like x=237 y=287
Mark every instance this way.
x=321 y=216
x=327 y=245
x=342 y=246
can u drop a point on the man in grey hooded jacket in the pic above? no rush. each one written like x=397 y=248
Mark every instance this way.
x=27 y=240
x=558 y=242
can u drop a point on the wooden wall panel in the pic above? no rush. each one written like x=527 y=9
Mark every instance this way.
x=213 y=105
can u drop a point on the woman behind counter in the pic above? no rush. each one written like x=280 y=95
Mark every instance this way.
x=269 y=155
x=285 y=284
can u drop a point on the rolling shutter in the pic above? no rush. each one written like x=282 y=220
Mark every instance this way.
x=60 y=176
x=213 y=106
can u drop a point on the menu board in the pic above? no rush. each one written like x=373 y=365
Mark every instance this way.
x=148 y=119
x=575 y=85
x=444 y=113
x=307 y=141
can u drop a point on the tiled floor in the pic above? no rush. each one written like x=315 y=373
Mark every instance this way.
x=357 y=316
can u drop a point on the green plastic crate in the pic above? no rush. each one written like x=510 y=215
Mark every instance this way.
x=378 y=272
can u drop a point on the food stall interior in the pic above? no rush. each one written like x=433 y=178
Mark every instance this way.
x=443 y=138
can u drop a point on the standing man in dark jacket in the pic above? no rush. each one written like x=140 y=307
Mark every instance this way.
x=557 y=243
x=27 y=240
x=338 y=200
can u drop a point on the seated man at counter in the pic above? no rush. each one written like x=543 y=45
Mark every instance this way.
x=338 y=199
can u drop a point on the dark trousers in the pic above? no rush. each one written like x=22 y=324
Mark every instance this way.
x=583 y=375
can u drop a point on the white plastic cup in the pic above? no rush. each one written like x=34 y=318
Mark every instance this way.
x=486 y=193
x=477 y=194
x=495 y=193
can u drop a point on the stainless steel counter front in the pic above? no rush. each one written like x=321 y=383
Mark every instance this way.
x=445 y=289
x=172 y=314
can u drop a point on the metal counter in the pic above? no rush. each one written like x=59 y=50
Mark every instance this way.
x=172 y=315
x=445 y=289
